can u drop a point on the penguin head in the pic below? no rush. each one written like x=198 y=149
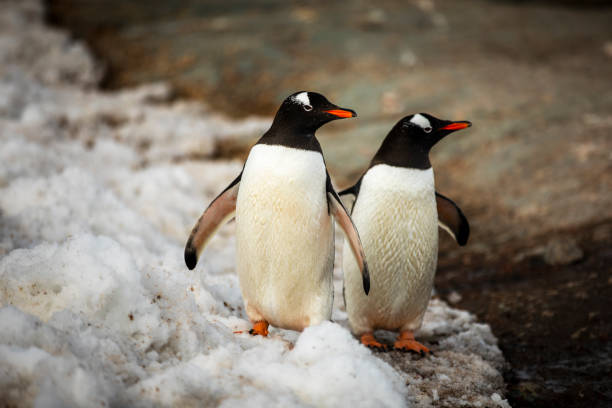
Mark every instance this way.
x=307 y=111
x=423 y=129
x=410 y=140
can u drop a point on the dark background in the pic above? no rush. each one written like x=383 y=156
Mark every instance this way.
x=533 y=174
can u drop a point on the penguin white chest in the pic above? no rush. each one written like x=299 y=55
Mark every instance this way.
x=284 y=237
x=397 y=219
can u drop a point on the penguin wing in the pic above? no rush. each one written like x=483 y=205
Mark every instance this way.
x=354 y=191
x=346 y=223
x=221 y=210
x=452 y=220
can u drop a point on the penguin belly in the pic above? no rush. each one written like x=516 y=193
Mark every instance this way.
x=396 y=216
x=285 y=237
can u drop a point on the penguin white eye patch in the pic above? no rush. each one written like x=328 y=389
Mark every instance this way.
x=302 y=98
x=421 y=121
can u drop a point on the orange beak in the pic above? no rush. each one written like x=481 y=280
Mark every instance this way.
x=342 y=113
x=457 y=125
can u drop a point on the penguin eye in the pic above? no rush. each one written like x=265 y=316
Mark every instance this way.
x=427 y=129
x=307 y=108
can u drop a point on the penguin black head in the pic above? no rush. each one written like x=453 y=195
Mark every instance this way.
x=427 y=130
x=299 y=117
x=410 y=140
x=307 y=111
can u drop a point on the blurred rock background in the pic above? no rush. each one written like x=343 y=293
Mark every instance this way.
x=533 y=174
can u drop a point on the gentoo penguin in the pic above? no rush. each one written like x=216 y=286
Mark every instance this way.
x=283 y=201
x=397 y=211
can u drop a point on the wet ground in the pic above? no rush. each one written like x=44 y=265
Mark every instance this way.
x=533 y=175
x=552 y=321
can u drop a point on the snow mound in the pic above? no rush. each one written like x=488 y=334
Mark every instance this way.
x=465 y=369
x=98 y=193
x=46 y=55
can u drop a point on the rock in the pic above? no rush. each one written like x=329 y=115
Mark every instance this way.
x=607 y=48
x=562 y=251
x=454 y=297
x=375 y=18
x=602 y=232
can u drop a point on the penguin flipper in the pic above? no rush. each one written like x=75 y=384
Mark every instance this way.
x=352 y=191
x=346 y=223
x=221 y=210
x=452 y=220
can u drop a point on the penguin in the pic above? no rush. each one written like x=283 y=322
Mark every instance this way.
x=285 y=205
x=397 y=212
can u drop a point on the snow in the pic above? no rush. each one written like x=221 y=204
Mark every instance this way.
x=98 y=193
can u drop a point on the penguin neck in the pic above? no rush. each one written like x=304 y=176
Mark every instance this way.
x=289 y=135
x=401 y=152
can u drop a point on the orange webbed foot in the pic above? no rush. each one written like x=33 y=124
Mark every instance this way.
x=370 y=342
x=260 y=328
x=406 y=342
